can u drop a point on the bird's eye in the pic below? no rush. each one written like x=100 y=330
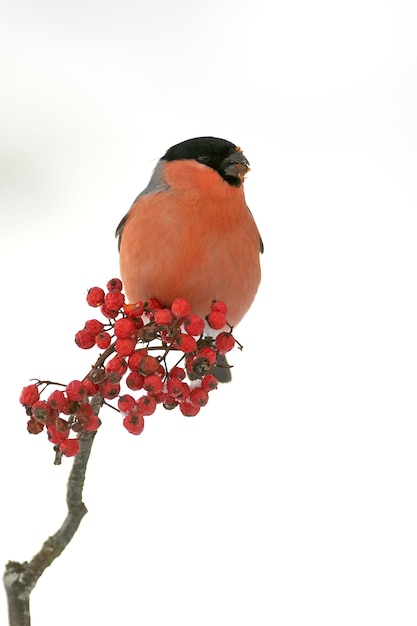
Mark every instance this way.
x=203 y=158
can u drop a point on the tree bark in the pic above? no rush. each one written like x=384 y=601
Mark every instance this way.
x=20 y=578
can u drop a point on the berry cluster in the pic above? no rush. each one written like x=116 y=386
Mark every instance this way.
x=138 y=342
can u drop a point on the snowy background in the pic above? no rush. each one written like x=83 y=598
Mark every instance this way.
x=291 y=498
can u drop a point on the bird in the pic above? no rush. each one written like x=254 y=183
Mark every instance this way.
x=190 y=233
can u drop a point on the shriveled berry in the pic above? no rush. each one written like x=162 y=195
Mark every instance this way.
x=85 y=339
x=95 y=296
x=134 y=422
x=34 y=427
x=114 y=284
x=42 y=411
x=29 y=395
x=84 y=413
x=70 y=447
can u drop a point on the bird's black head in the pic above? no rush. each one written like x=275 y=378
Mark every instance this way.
x=219 y=154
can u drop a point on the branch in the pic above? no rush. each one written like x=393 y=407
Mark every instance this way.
x=20 y=578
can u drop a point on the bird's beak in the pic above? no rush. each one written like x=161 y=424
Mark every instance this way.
x=236 y=165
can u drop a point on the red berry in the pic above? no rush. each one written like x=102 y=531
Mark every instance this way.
x=198 y=396
x=56 y=436
x=163 y=317
x=125 y=347
x=93 y=424
x=216 y=319
x=177 y=372
x=208 y=353
x=94 y=326
x=110 y=389
x=125 y=328
x=152 y=305
x=70 y=447
x=153 y=383
x=95 y=296
x=186 y=343
x=134 y=310
x=126 y=403
x=194 y=325
x=117 y=364
x=198 y=365
x=209 y=382
x=134 y=423
x=34 y=427
x=76 y=391
x=110 y=313
x=174 y=387
x=146 y=405
x=114 y=284
x=103 y=340
x=218 y=305
x=92 y=388
x=148 y=365
x=188 y=409
x=84 y=413
x=135 y=358
x=41 y=411
x=114 y=300
x=84 y=339
x=180 y=307
x=134 y=381
x=185 y=392
x=29 y=395
x=225 y=342
x=57 y=400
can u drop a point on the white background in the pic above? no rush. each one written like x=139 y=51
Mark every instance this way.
x=291 y=498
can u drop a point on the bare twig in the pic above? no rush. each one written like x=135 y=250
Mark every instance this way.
x=20 y=578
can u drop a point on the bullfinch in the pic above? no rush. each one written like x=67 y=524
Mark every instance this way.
x=190 y=233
